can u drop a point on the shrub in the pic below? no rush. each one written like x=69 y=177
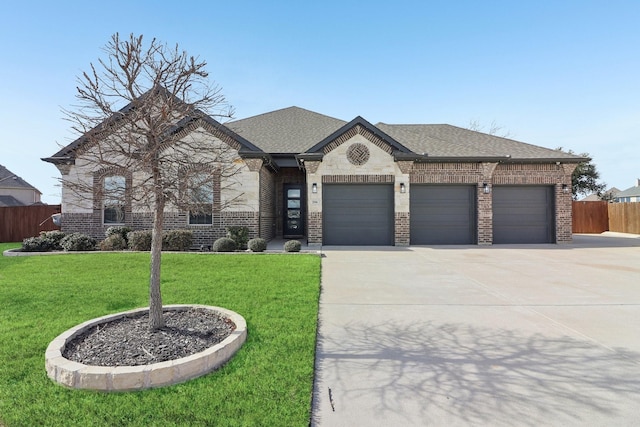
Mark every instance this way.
x=224 y=244
x=120 y=230
x=35 y=244
x=292 y=246
x=240 y=235
x=114 y=242
x=54 y=238
x=78 y=242
x=139 y=240
x=177 y=240
x=257 y=245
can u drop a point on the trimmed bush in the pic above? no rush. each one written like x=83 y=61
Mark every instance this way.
x=224 y=244
x=54 y=238
x=292 y=246
x=120 y=230
x=240 y=235
x=78 y=242
x=114 y=242
x=177 y=240
x=257 y=245
x=35 y=244
x=47 y=241
x=139 y=240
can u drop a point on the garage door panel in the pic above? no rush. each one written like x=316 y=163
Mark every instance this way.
x=358 y=214
x=523 y=214
x=442 y=214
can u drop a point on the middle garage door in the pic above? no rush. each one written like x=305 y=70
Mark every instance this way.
x=357 y=214
x=443 y=214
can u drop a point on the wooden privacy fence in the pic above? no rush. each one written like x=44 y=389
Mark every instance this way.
x=597 y=217
x=590 y=217
x=19 y=222
x=624 y=217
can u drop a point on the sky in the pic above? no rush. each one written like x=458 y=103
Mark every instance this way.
x=558 y=73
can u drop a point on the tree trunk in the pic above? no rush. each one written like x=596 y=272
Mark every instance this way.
x=156 y=320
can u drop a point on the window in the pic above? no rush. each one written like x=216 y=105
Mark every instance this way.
x=200 y=188
x=114 y=199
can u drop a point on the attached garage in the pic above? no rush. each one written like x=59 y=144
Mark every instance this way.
x=357 y=214
x=523 y=214
x=443 y=214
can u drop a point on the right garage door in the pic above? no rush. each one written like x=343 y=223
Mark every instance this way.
x=523 y=214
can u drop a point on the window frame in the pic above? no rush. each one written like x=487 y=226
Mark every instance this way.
x=118 y=208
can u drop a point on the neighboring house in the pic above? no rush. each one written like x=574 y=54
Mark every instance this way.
x=610 y=194
x=631 y=194
x=15 y=191
x=309 y=176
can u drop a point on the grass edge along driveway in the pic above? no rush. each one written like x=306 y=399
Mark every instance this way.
x=268 y=382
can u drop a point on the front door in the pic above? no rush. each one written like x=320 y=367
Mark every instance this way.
x=293 y=211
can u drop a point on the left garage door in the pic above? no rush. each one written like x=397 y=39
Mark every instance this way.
x=357 y=214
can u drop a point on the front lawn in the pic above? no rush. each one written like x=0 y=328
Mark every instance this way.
x=267 y=383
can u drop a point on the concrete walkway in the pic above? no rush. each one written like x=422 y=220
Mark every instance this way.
x=471 y=336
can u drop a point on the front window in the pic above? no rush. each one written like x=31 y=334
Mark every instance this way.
x=200 y=187
x=114 y=199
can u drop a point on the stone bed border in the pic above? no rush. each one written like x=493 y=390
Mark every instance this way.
x=129 y=378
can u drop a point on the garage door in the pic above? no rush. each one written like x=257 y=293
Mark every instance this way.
x=443 y=215
x=357 y=214
x=523 y=214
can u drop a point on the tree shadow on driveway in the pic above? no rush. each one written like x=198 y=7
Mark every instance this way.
x=457 y=373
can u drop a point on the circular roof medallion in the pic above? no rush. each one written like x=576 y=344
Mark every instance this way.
x=358 y=154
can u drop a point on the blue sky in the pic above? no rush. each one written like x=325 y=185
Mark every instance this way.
x=557 y=73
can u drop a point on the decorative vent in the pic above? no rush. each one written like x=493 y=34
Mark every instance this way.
x=358 y=154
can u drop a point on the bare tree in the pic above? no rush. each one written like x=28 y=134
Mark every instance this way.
x=146 y=110
x=494 y=128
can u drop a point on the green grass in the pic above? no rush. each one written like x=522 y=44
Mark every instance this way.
x=267 y=383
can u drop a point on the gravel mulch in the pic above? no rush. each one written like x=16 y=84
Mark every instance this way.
x=128 y=341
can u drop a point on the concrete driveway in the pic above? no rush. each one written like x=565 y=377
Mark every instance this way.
x=500 y=336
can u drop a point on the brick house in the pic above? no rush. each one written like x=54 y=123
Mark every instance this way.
x=309 y=176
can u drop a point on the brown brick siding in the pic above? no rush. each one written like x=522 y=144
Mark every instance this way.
x=91 y=224
x=502 y=174
x=314 y=227
x=402 y=229
x=267 y=204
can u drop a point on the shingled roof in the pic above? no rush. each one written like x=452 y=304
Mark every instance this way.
x=9 y=179
x=446 y=141
x=290 y=130
x=295 y=130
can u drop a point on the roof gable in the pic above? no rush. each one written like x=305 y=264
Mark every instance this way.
x=185 y=125
x=9 y=179
x=364 y=128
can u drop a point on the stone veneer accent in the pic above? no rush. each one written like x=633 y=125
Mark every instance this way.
x=127 y=378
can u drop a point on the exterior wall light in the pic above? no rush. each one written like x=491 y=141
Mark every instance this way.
x=486 y=188
x=314 y=188
x=403 y=188
x=565 y=188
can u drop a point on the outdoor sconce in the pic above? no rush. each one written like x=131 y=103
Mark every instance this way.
x=486 y=188
x=314 y=188
x=403 y=188
x=565 y=188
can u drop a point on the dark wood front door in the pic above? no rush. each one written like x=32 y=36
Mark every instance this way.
x=293 y=211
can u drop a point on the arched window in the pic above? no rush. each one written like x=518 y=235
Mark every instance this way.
x=114 y=189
